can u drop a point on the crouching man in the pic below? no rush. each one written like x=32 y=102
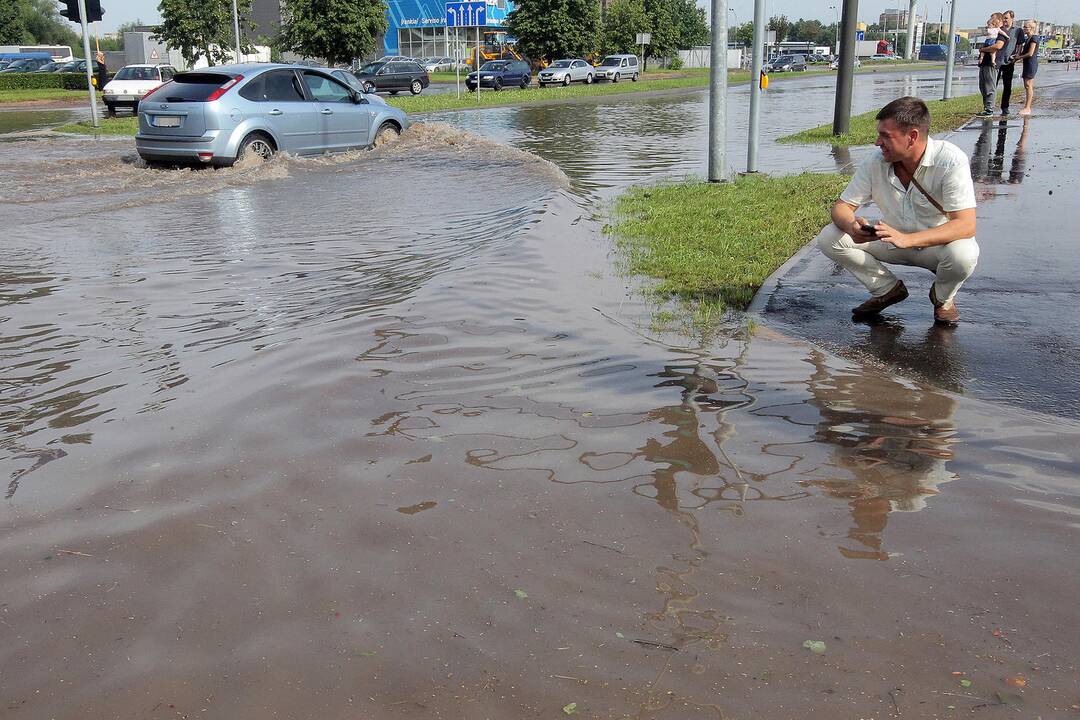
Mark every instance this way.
x=924 y=191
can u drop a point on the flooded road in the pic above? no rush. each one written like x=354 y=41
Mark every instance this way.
x=385 y=435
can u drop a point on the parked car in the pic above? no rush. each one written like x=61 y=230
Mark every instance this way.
x=394 y=58
x=565 y=72
x=1058 y=55
x=787 y=63
x=26 y=65
x=439 y=64
x=51 y=67
x=883 y=56
x=131 y=83
x=497 y=74
x=835 y=64
x=394 y=77
x=617 y=67
x=77 y=66
x=220 y=114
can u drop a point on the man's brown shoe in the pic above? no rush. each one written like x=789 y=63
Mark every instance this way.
x=944 y=315
x=876 y=304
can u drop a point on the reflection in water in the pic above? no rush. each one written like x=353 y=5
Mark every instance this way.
x=935 y=356
x=988 y=158
x=889 y=463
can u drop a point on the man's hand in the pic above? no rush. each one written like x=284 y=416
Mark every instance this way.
x=856 y=232
x=887 y=234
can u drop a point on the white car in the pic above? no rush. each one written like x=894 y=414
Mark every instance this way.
x=835 y=64
x=132 y=83
x=565 y=72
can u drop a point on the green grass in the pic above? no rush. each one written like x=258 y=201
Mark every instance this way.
x=10 y=96
x=109 y=126
x=713 y=245
x=945 y=115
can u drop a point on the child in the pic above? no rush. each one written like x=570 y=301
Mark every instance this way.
x=994 y=42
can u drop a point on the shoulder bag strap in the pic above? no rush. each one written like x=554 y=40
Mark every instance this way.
x=921 y=189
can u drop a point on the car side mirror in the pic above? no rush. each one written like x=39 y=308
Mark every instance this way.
x=358 y=98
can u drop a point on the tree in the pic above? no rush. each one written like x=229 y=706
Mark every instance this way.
x=13 y=30
x=338 y=31
x=690 y=24
x=780 y=25
x=202 y=28
x=553 y=29
x=745 y=33
x=623 y=19
x=45 y=25
x=664 y=40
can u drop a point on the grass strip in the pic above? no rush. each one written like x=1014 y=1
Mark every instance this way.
x=715 y=244
x=37 y=94
x=108 y=126
x=946 y=115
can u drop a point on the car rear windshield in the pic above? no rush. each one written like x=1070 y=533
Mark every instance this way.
x=493 y=66
x=189 y=87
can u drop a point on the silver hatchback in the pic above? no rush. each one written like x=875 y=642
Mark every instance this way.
x=219 y=114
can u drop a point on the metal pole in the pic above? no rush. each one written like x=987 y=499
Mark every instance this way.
x=758 y=52
x=718 y=94
x=89 y=64
x=236 y=29
x=950 y=61
x=845 y=73
x=477 y=64
x=457 y=65
x=910 y=45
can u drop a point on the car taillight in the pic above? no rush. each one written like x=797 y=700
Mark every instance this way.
x=224 y=88
x=156 y=89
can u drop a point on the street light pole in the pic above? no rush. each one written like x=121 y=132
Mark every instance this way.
x=89 y=64
x=910 y=44
x=845 y=73
x=236 y=29
x=756 y=58
x=950 y=62
x=718 y=93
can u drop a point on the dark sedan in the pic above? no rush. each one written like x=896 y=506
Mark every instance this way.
x=498 y=74
x=393 y=77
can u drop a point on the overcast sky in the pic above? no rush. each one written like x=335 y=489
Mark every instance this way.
x=969 y=13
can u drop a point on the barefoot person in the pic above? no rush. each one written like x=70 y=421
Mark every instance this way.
x=924 y=192
x=1030 y=57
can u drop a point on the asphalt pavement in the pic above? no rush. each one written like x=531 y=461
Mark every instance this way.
x=1018 y=337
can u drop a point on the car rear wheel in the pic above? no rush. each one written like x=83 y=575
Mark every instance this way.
x=588 y=79
x=416 y=87
x=387 y=131
x=497 y=85
x=524 y=82
x=256 y=145
x=616 y=78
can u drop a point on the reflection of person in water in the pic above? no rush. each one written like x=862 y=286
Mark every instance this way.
x=988 y=166
x=1019 y=159
x=891 y=445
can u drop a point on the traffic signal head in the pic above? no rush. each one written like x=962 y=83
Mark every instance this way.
x=93 y=10
x=71 y=11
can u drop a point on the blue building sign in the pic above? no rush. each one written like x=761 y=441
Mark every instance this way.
x=418 y=28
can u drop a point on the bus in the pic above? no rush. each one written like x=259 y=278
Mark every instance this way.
x=59 y=53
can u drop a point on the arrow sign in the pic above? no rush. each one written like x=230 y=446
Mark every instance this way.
x=466 y=14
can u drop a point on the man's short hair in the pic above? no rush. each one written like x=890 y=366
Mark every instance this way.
x=907 y=113
x=1010 y=13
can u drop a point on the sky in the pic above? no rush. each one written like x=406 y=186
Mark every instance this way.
x=969 y=13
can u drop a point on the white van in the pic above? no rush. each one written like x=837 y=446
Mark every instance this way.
x=617 y=67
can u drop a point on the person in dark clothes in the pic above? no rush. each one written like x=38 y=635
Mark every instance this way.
x=993 y=45
x=1030 y=58
x=1006 y=58
x=101 y=72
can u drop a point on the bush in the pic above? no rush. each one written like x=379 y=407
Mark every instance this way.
x=675 y=64
x=40 y=81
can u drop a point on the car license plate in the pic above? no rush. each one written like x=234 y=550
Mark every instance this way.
x=166 y=121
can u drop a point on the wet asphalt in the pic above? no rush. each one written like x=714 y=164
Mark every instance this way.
x=1018 y=341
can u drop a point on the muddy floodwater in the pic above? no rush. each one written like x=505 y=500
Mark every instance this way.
x=388 y=435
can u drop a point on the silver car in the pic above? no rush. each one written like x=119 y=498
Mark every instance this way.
x=219 y=114
x=617 y=67
x=566 y=72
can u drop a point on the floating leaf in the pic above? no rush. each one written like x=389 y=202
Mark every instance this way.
x=570 y=708
x=965 y=683
x=1016 y=681
x=521 y=594
x=619 y=635
x=815 y=646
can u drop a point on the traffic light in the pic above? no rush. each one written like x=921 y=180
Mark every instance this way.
x=71 y=11
x=93 y=10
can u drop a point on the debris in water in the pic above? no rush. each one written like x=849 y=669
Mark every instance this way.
x=521 y=594
x=965 y=683
x=1016 y=681
x=815 y=646
x=570 y=708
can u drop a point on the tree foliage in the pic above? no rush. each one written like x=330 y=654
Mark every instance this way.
x=744 y=33
x=623 y=20
x=202 y=28
x=34 y=22
x=690 y=24
x=665 y=34
x=338 y=31
x=780 y=25
x=553 y=29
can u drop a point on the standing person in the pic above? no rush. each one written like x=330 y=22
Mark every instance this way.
x=101 y=72
x=1030 y=57
x=991 y=47
x=924 y=190
x=1006 y=59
